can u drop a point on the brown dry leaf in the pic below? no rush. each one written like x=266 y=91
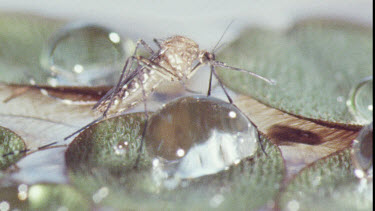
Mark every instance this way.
x=35 y=116
x=301 y=141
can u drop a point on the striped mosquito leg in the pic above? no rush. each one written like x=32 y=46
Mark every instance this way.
x=230 y=100
x=210 y=82
x=46 y=146
x=84 y=127
x=222 y=64
x=221 y=84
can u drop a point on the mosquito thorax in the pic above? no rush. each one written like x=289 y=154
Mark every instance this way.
x=178 y=53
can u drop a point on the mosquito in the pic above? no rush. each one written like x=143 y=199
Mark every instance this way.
x=177 y=58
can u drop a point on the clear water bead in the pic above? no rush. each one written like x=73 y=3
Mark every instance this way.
x=84 y=55
x=196 y=136
x=360 y=101
x=362 y=153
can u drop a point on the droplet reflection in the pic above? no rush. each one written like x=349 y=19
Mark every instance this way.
x=360 y=101
x=22 y=192
x=197 y=136
x=83 y=54
x=362 y=153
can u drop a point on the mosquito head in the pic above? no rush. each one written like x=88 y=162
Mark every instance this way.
x=206 y=57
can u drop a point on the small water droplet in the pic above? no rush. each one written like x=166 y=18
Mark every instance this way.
x=52 y=82
x=193 y=136
x=340 y=99
x=121 y=148
x=216 y=200
x=84 y=54
x=360 y=102
x=114 y=37
x=22 y=192
x=4 y=206
x=100 y=194
x=359 y=173
x=22 y=188
x=362 y=153
x=293 y=205
x=155 y=162
x=316 y=181
x=32 y=82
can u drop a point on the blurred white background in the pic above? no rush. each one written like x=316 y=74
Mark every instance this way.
x=202 y=20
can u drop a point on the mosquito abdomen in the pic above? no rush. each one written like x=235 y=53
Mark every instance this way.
x=131 y=93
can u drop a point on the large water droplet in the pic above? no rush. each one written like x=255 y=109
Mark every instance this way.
x=360 y=101
x=362 y=153
x=83 y=54
x=197 y=136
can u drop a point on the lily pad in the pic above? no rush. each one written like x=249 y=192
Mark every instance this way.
x=328 y=184
x=42 y=197
x=10 y=147
x=315 y=65
x=22 y=39
x=101 y=163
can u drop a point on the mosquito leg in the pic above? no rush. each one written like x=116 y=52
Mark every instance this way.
x=145 y=45
x=210 y=82
x=261 y=146
x=222 y=64
x=157 y=42
x=186 y=88
x=145 y=126
x=35 y=149
x=129 y=62
x=124 y=73
x=128 y=65
x=230 y=100
x=221 y=84
x=139 y=43
x=84 y=127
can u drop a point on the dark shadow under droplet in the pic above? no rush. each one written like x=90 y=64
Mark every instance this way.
x=283 y=135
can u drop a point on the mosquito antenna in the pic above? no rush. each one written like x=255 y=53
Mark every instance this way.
x=220 y=46
x=213 y=50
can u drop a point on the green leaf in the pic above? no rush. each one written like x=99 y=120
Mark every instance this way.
x=102 y=158
x=22 y=39
x=9 y=143
x=315 y=65
x=328 y=184
x=42 y=197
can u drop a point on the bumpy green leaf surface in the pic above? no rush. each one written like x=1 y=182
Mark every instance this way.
x=22 y=39
x=9 y=142
x=99 y=161
x=328 y=184
x=315 y=65
x=42 y=197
